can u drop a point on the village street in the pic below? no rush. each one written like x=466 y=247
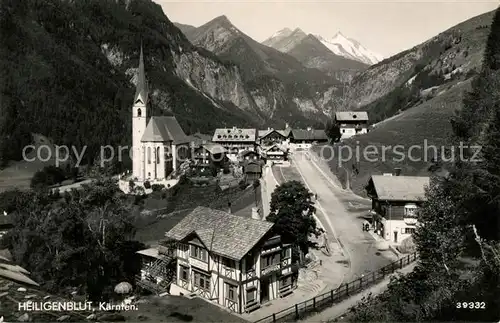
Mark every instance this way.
x=342 y=214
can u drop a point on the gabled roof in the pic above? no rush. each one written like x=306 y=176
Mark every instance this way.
x=161 y=129
x=265 y=133
x=313 y=134
x=141 y=92
x=274 y=146
x=286 y=132
x=214 y=148
x=400 y=188
x=248 y=152
x=252 y=167
x=225 y=234
x=351 y=116
x=234 y=134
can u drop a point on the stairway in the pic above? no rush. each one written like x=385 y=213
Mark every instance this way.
x=165 y=267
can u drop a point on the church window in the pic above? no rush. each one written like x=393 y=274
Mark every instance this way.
x=139 y=112
x=149 y=155
x=158 y=155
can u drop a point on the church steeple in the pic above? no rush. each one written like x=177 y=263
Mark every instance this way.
x=141 y=92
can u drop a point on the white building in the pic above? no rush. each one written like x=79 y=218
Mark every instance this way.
x=159 y=143
x=235 y=140
x=351 y=123
x=395 y=200
x=235 y=261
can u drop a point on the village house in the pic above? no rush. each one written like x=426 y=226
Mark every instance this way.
x=270 y=137
x=209 y=154
x=235 y=140
x=304 y=138
x=395 y=202
x=275 y=154
x=198 y=139
x=351 y=123
x=159 y=143
x=235 y=261
x=252 y=170
x=248 y=155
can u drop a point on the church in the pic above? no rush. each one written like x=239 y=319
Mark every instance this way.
x=159 y=144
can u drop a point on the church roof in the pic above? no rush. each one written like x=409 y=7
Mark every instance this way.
x=141 y=92
x=161 y=129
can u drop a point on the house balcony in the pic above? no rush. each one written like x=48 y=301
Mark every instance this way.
x=270 y=269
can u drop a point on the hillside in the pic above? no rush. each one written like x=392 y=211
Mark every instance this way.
x=406 y=79
x=281 y=86
x=72 y=77
x=424 y=125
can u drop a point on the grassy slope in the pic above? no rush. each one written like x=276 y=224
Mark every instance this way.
x=427 y=121
x=460 y=47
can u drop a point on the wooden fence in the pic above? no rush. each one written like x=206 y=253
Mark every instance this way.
x=320 y=302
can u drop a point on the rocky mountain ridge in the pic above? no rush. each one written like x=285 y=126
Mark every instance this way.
x=420 y=73
x=281 y=86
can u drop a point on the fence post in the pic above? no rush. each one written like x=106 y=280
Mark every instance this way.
x=274 y=317
x=392 y=267
x=296 y=311
x=314 y=303
x=401 y=263
x=360 y=282
x=347 y=289
x=373 y=276
x=331 y=295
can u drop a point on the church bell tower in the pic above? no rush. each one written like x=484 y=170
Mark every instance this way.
x=139 y=120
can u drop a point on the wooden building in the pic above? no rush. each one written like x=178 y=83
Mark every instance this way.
x=351 y=123
x=235 y=261
x=208 y=154
x=304 y=138
x=252 y=170
x=395 y=202
x=275 y=153
x=269 y=137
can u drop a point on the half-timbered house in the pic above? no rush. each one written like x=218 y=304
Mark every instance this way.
x=235 y=261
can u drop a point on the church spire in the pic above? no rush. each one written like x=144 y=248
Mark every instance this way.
x=141 y=92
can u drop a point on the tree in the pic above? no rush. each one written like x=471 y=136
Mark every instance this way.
x=333 y=131
x=292 y=212
x=83 y=240
x=48 y=176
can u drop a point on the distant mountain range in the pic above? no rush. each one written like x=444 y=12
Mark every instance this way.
x=286 y=39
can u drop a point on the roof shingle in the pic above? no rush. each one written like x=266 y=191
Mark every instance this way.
x=234 y=134
x=313 y=134
x=400 y=188
x=225 y=234
x=351 y=116
x=162 y=129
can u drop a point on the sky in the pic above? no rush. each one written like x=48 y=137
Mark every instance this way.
x=384 y=27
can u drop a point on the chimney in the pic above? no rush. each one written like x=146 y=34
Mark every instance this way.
x=234 y=127
x=268 y=128
x=397 y=171
x=309 y=128
x=287 y=125
x=255 y=213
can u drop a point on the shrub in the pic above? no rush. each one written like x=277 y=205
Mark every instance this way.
x=48 y=176
x=156 y=187
x=147 y=185
x=243 y=184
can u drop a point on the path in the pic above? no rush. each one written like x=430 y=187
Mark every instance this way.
x=312 y=281
x=345 y=223
x=343 y=307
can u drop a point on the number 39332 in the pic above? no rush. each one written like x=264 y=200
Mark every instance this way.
x=471 y=305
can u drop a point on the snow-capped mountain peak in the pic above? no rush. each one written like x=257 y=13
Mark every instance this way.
x=350 y=48
x=285 y=32
x=285 y=39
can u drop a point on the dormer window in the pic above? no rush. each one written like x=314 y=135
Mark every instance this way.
x=218 y=136
x=230 y=136
x=228 y=130
x=247 y=136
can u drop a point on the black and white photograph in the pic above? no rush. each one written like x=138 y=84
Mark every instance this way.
x=258 y=161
